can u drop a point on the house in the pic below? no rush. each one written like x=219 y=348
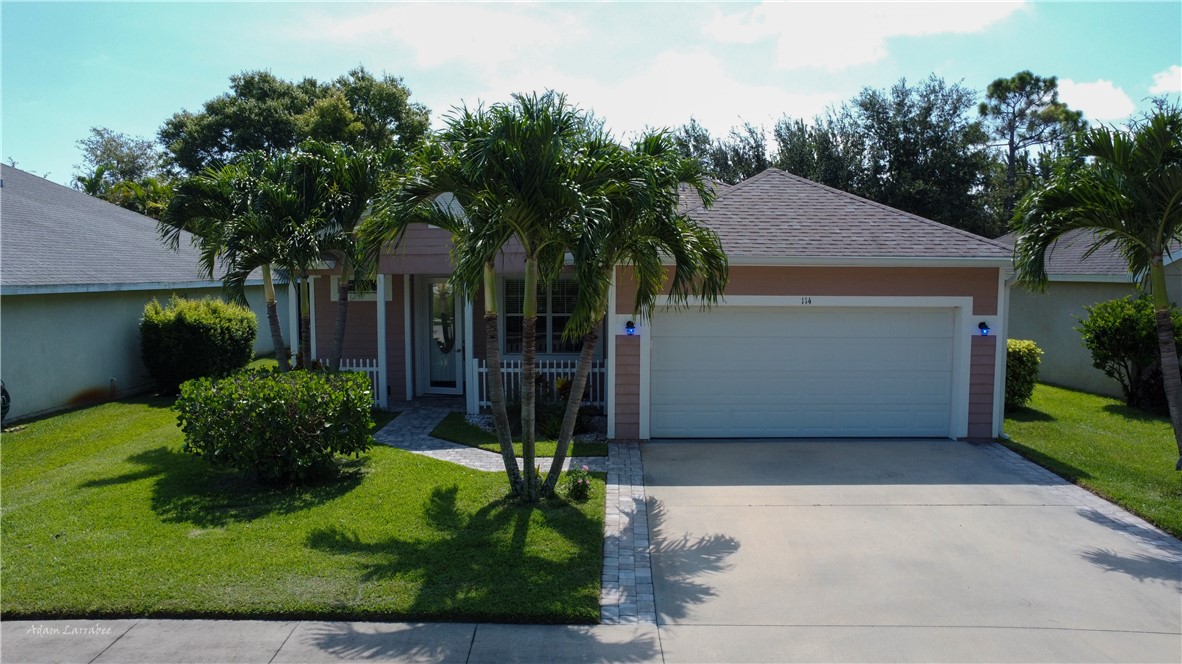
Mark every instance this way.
x=842 y=317
x=75 y=274
x=1049 y=318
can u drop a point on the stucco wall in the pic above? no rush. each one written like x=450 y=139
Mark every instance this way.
x=62 y=350
x=1050 y=319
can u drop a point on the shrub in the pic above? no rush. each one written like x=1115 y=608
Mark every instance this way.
x=195 y=338
x=1022 y=360
x=578 y=484
x=283 y=427
x=548 y=418
x=1122 y=338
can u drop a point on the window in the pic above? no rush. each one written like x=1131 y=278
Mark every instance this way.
x=555 y=306
x=364 y=290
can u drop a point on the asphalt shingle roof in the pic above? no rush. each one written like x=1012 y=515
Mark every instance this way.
x=777 y=214
x=1066 y=256
x=52 y=235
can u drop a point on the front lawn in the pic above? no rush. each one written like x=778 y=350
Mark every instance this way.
x=103 y=516
x=1120 y=453
x=455 y=428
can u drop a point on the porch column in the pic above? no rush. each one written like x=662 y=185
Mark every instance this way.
x=407 y=339
x=470 y=386
x=383 y=385
x=312 y=316
x=293 y=317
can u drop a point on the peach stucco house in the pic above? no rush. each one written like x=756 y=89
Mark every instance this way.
x=842 y=318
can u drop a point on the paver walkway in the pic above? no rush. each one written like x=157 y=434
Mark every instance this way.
x=626 y=594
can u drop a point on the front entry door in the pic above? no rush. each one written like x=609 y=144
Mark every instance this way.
x=442 y=336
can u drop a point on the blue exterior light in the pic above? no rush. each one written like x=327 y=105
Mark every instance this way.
x=984 y=327
x=630 y=328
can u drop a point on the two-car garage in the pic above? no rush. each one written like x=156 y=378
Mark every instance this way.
x=802 y=371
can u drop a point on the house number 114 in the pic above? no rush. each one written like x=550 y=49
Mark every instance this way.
x=806 y=300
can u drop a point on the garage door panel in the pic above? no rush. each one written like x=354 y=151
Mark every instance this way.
x=783 y=388
x=808 y=353
x=801 y=372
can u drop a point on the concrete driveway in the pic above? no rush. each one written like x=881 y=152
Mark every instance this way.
x=886 y=550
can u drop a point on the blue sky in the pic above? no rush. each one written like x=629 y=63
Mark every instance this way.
x=129 y=66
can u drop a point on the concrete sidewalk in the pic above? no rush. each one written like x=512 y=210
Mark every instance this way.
x=177 y=641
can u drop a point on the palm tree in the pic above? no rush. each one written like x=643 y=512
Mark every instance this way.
x=437 y=177
x=246 y=216
x=349 y=181
x=637 y=192
x=1129 y=195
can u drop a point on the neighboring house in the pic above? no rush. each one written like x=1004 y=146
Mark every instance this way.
x=842 y=317
x=75 y=274
x=1050 y=318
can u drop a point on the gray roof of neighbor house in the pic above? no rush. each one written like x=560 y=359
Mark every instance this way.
x=1066 y=257
x=777 y=215
x=56 y=239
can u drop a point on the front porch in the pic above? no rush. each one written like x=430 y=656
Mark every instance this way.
x=416 y=339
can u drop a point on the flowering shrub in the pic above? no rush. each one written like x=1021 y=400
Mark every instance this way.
x=578 y=484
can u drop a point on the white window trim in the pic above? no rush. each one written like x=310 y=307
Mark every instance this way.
x=541 y=354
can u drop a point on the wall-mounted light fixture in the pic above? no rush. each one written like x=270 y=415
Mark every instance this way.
x=984 y=327
x=630 y=328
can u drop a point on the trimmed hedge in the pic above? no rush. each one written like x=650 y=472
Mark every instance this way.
x=282 y=427
x=1022 y=360
x=195 y=338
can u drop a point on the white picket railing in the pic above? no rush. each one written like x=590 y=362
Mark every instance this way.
x=368 y=366
x=549 y=371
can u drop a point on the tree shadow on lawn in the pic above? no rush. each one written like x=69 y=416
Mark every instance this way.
x=1057 y=466
x=1028 y=414
x=479 y=567
x=189 y=490
x=1133 y=414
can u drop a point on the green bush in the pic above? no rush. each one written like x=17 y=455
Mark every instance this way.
x=1122 y=338
x=195 y=338
x=1022 y=360
x=283 y=427
x=548 y=418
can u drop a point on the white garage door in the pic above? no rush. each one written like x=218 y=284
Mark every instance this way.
x=770 y=372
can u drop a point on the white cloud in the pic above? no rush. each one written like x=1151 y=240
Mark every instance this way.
x=1099 y=100
x=1167 y=81
x=666 y=93
x=836 y=36
x=445 y=33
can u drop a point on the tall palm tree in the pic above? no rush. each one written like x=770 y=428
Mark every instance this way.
x=639 y=226
x=1130 y=196
x=348 y=181
x=436 y=178
x=242 y=217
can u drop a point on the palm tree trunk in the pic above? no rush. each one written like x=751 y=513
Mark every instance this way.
x=496 y=381
x=573 y=402
x=529 y=350
x=273 y=319
x=338 y=337
x=1167 y=347
x=306 y=321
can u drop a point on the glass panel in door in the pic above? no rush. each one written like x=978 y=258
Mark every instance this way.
x=444 y=349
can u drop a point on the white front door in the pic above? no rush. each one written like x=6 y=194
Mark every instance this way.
x=441 y=339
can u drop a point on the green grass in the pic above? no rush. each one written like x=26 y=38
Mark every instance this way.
x=1120 y=453
x=103 y=516
x=263 y=363
x=457 y=430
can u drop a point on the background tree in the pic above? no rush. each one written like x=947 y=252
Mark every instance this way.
x=1130 y=195
x=1023 y=112
x=828 y=151
x=738 y=156
x=922 y=153
x=120 y=157
x=265 y=113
